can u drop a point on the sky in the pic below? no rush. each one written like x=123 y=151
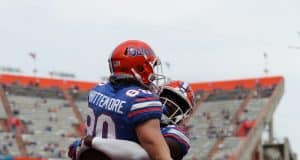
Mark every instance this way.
x=203 y=40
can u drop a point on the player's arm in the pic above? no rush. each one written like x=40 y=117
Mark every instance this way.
x=152 y=140
x=175 y=149
x=145 y=114
x=177 y=141
x=123 y=149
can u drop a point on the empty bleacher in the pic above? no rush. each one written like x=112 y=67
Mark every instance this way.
x=222 y=114
x=82 y=107
x=48 y=117
x=211 y=122
x=8 y=143
x=227 y=148
x=2 y=111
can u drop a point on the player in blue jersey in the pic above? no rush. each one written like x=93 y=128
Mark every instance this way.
x=177 y=98
x=125 y=108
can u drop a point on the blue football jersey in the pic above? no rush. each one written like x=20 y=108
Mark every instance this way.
x=115 y=112
x=178 y=135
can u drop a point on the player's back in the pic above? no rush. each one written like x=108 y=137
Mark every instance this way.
x=115 y=110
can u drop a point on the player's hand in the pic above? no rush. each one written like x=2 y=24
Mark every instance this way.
x=73 y=149
x=88 y=141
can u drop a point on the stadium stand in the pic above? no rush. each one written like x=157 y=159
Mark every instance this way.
x=8 y=144
x=2 y=111
x=258 y=100
x=227 y=122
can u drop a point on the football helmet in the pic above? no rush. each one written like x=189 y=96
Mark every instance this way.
x=136 y=59
x=177 y=98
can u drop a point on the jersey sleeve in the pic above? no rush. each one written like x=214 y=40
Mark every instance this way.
x=127 y=150
x=143 y=108
x=178 y=135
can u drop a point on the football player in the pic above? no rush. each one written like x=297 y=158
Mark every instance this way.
x=125 y=108
x=178 y=99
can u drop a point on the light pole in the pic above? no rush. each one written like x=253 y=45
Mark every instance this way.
x=33 y=56
x=266 y=68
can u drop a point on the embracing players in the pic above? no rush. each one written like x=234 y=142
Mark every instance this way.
x=126 y=110
x=178 y=99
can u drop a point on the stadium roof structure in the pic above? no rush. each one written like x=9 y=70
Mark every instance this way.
x=231 y=84
x=44 y=82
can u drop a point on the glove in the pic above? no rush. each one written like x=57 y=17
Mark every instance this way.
x=88 y=141
x=73 y=149
x=79 y=146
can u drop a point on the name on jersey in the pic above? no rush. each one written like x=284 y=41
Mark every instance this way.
x=106 y=102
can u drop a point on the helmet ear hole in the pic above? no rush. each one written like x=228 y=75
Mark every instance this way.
x=126 y=51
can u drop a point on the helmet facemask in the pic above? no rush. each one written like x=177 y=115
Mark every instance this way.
x=175 y=107
x=156 y=78
x=172 y=112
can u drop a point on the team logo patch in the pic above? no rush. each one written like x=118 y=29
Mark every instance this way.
x=139 y=51
x=132 y=93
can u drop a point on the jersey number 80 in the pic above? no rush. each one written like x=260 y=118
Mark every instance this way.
x=101 y=126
